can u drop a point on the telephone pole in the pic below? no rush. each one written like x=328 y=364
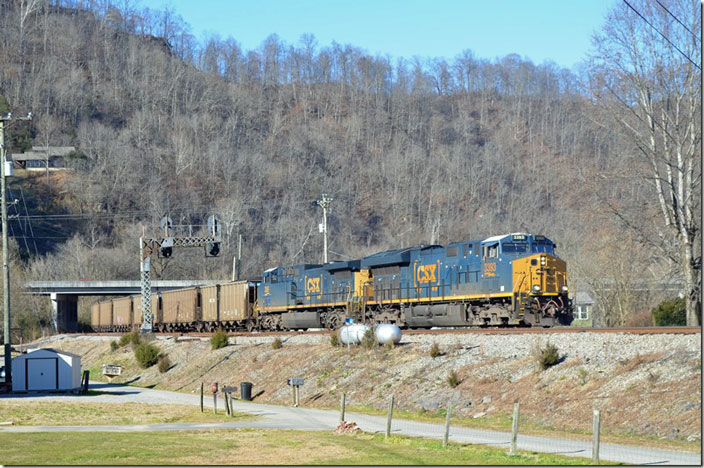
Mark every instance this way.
x=5 y=257
x=323 y=227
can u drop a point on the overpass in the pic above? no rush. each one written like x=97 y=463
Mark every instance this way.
x=64 y=294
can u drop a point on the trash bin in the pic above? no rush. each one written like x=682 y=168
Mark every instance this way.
x=246 y=391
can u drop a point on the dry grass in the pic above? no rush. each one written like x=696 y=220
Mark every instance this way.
x=54 y=413
x=638 y=360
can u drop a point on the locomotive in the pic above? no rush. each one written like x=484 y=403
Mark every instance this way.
x=506 y=280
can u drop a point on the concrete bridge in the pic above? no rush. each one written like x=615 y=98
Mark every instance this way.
x=64 y=294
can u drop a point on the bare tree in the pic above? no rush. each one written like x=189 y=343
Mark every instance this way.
x=651 y=86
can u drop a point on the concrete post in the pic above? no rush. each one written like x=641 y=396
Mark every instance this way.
x=595 y=444
x=514 y=430
x=65 y=312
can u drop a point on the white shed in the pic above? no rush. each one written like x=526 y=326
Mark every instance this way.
x=46 y=369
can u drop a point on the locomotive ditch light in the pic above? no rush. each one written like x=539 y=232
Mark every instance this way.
x=564 y=289
x=536 y=288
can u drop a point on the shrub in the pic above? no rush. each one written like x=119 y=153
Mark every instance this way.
x=639 y=319
x=114 y=345
x=435 y=351
x=368 y=340
x=453 y=379
x=334 y=340
x=583 y=375
x=277 y=344
x=164 y=363
x=548 y=356
x=132 y=338
x=218 y=340
x=670 y=312
x=146 y=355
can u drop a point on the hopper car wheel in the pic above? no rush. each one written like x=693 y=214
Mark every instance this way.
x=251 y=326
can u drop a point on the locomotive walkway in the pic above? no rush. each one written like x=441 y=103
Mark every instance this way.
x=283 y=417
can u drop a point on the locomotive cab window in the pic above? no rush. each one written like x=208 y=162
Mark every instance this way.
x=543 y=246
x=514 y=248
x=491 y=251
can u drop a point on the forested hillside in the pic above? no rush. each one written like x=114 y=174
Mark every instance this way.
x=412 y=151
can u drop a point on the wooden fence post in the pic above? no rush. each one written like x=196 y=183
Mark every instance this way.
x=342 y=407
x=447 y=424
x=514 y=430
x=201 y=397
x=595 y=445
x=388 y=417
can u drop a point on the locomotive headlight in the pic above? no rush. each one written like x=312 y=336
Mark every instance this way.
x=536 y=288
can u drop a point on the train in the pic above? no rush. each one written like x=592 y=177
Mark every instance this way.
x=506 y=280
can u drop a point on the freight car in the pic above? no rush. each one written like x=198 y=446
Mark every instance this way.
x=507 y=280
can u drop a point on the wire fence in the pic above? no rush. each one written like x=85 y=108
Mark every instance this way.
x=586 y=445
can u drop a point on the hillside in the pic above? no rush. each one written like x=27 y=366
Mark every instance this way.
x=625 y=376
x=412 y=151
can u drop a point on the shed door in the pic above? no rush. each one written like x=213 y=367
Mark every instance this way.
x=42 y=373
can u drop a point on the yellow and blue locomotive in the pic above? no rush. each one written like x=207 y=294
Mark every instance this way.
x=512 y=279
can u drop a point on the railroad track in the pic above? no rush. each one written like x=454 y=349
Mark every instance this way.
x=457 y=331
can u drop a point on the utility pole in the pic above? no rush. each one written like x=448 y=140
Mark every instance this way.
x=323 y=227
x=5 y=257
x=163 y=246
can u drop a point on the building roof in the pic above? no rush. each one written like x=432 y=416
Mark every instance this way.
x=57 y=351
x=582 y=297
x=41 y=153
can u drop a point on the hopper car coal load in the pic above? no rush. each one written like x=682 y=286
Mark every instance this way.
x=506 y=280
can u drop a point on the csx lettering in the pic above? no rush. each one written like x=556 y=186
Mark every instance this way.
x=426 y=273
x=313 y=285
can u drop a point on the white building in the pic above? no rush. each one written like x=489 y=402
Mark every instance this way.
x=46 y=369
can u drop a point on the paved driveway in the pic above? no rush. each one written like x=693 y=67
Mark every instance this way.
x=283 y=417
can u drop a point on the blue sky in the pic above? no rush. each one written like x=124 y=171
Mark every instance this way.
x=540 y=30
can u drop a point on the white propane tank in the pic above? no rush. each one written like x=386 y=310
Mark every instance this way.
x=387 y=333
x=353 y=333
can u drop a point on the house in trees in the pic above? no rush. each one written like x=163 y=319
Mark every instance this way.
x=39 y=158
x=583 y=309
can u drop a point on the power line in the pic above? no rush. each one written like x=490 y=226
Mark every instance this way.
x=661 y=34
x=677 y=19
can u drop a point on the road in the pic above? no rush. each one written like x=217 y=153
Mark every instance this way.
x=283 y=417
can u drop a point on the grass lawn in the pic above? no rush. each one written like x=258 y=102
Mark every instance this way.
x=252 y=447
x=57 y=413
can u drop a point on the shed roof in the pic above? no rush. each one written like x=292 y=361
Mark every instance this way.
x=57 y=351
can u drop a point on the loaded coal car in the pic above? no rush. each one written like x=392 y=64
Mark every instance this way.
x=228 y=306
